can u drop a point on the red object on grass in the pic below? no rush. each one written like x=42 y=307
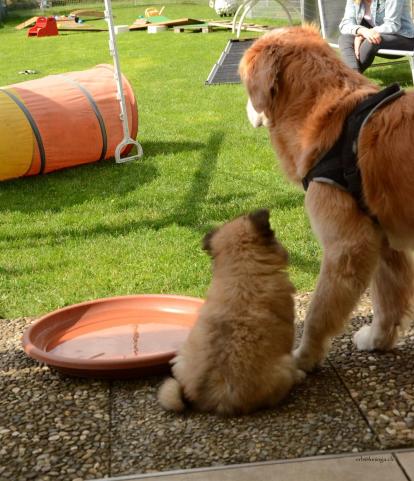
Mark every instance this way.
x=45 y=27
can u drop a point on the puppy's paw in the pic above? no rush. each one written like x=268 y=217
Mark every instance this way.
x=363 y=339
x=304 y=361
x=300 y=376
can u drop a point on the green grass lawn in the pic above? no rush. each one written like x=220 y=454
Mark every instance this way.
x=106 y=229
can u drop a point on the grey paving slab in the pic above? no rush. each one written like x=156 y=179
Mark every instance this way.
x=50 y=427
x=406 y=460
x=369 y=467
x=382 y=384
x=318 y=417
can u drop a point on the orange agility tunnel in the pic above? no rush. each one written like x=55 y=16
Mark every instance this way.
x=62 y=121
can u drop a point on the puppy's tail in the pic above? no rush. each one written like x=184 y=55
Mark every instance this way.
x=171 y=396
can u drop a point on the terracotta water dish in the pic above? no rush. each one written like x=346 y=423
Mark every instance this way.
x=116 y=337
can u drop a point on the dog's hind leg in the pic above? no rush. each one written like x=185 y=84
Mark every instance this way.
x=392 y=292
x=351 y=247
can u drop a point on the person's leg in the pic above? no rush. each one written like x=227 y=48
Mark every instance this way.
x=346 y=47
x=368 y=51
x=367 y=54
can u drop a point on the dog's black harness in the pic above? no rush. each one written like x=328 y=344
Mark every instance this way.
x=339 y=166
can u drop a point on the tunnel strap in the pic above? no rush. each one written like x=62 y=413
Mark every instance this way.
x=32 y=123
x=97 y=112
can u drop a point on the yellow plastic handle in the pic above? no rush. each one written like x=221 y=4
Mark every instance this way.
x=151 y=12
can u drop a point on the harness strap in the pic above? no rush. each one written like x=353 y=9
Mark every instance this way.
x=339 y=166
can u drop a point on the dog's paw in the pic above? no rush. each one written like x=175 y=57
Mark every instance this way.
x=363 y=339
x=366 y=339
x=304 y=361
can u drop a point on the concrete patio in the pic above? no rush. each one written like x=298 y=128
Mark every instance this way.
x=60 y=428
x=374 y=466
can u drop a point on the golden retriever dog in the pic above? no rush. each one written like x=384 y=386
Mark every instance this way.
x=302 y=92
x=238 y=356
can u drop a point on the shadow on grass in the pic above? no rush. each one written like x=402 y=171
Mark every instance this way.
x=394 y=72
x=188 y=212
x=308 y=265
x=289 y=199
x=154 y=148
x=58 y=190
x=54 y=192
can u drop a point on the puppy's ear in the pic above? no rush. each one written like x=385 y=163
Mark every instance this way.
x=206 y=243
x=259 y=70
x=260 y=220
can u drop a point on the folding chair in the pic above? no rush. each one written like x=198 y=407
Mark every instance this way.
x=330 y=16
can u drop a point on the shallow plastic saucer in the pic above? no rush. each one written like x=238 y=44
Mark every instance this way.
x=116 y=337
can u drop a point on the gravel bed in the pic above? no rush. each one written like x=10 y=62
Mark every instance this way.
x=60 y=428
x=302 y=300
x=51 y=427
x=382 y=384
x=317 y=418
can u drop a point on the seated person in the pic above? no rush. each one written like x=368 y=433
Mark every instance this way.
x=369 y=25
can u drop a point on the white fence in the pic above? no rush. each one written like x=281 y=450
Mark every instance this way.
x=298 y=9
x=33 y=4
x=306 y=10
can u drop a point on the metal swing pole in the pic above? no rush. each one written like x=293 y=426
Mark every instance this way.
x=127 y=140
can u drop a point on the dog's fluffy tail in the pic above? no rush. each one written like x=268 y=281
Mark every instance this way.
x=170 y=395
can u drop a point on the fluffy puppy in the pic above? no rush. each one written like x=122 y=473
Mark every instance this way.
x=302 y=92
x=237 y=357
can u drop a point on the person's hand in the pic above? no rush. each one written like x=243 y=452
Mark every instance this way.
x=357 y=44
x=370 y=34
